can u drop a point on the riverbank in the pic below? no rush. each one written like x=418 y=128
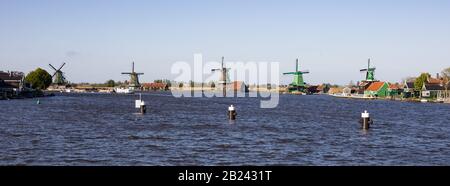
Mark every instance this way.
x=24 y=94
x=359 y=96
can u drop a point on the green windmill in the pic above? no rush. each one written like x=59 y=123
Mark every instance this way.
x=58 y=76
x=134 y=78
x=298 y=84
x=370 y=72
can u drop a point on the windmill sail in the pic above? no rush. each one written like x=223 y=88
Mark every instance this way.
x=58 y=75
x=370 y=72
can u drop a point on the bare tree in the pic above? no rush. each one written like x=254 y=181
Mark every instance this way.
x=409 y=79
x=446 y=79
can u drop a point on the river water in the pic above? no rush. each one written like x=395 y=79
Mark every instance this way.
x=105 y=129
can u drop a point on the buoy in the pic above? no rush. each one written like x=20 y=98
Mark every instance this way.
x=365 y=120
x=140 y=104
x=232 y=113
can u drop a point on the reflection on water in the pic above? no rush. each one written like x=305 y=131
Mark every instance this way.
x=97 y=129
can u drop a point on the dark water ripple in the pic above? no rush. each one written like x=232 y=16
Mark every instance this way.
x=98 y=129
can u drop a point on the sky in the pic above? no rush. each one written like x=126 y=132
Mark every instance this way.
x=98 y=39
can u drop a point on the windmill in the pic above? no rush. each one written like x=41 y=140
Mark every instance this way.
x=223 y=77
x=370 y=72
x=134 y=77
x=58 y=76
x=297 y=84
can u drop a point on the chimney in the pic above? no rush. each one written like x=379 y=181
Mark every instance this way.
x=437 y=76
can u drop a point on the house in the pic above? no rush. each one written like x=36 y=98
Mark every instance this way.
x=11 y=83
x=394 y=90
x=313 y=89
x=377 y=89
x=434 y=88
x=408 y=90
x=347 y=91
x=239 y=86
x=433 y=91
x=155 y=86
x=363 y=85
x=323 y=88
x=335 y=90
x=11 y=79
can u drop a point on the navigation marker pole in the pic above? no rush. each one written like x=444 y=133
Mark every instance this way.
x=140 y=104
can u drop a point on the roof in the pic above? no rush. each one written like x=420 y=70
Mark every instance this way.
x=320 y=87
x=335 y=90
x=432 y=86
x=364 y=83
x=375 y=86
x=393 y=86
x=433 y=80
x=409 y=85
x=10 y=76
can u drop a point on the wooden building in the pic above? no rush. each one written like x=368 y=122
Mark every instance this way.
x=377 y=89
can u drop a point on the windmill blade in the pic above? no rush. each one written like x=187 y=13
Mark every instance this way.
x=305 y=72
x=286 y=73
x=52 y=67
x=126 y=73
x=62 y=66
x=54 y=74
x=362 y=70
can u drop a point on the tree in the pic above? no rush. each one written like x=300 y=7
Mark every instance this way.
x=110 y=83
x=169 y=84
x=418 y=84
x=192 y=83
x=39 y=79
x=446 y=73
x=180 y=85
x=213 y=85
x=446 y=77
x=409 y=79
x=351 y=84
x=158 y=81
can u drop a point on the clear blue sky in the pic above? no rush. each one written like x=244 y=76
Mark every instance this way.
x=99 y=38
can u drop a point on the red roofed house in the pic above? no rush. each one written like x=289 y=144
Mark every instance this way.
x=377 y=89
x=239 y=86
x=155 y=86
x=394 y=90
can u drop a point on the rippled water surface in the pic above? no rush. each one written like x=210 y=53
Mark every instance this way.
x=101 y=129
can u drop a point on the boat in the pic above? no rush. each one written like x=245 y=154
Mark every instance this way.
x=423 y=100
x=297 y=93
x=124 y=90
